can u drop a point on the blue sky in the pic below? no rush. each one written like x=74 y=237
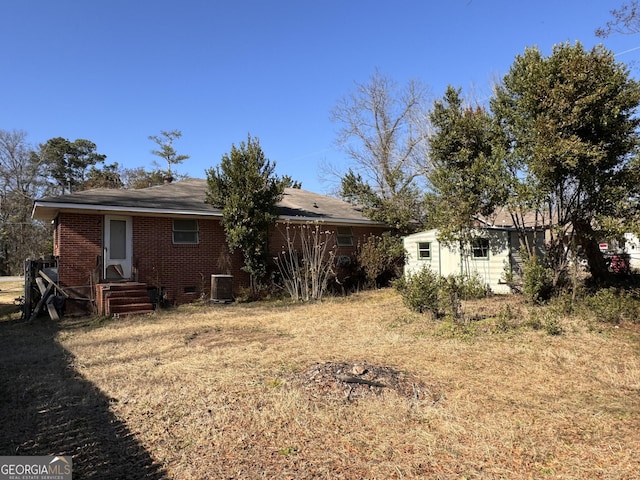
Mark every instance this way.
x=116 y=71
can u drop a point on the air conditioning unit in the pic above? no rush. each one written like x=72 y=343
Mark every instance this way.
x=221 y=288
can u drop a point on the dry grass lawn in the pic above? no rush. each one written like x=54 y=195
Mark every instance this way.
x=228 y=391
x=9 y=292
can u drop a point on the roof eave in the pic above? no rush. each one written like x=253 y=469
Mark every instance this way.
x=50 y=210
x=331 y=220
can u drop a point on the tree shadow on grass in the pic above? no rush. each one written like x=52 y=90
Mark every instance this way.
x=47 y=408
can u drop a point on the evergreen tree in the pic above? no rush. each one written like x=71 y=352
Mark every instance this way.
x=468 y=177
x=166 y=150
x=247 y=190
x=68 y=162
x=571 y=122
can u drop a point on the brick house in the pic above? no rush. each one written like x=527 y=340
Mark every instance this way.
x=165 y=240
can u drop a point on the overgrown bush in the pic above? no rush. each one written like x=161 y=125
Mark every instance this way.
x=537 y=284
x=428 y=291
x=471 y=287
x=420 y=290
x=613 y=305
x=381 y=259
x=545 y=319
x=450 y=294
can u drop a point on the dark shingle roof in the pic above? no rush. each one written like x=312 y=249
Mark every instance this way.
x=187 y=197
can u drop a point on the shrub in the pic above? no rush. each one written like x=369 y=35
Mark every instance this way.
x=306 y=261
x=472 y=286
x=545 y=319
x=428 y=291
x=537 y=281
x=505 y=321
x=566 y=304
x=534 y=321
x=381 y=259
x=552 y=325
x=419 y=291
x=612 y=305
x=450 y=294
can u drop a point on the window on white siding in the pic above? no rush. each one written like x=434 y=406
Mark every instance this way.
x=185 y=231
x=424 y=250
x=480 y=248
x=344 y=237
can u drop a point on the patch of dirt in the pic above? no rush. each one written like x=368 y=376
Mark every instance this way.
x=353 y=380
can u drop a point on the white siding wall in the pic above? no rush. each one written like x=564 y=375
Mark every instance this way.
x=449 y=261
x=632 y=247
x=414 y=263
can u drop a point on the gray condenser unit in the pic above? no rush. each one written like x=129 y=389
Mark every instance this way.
x=222 y=288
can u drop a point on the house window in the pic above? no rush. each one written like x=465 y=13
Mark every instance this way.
x=185 y=231
x=480 y=248
x=424 y=251
x=344 y=237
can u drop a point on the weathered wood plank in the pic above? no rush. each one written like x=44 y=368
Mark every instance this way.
x=41 y=302
x=58 y=287
x=26 y=312
x=53 y=313
x=41 y=285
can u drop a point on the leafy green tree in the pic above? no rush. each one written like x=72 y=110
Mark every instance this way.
x=570 y=120
x=166 y=151
x=247 y=190
x=468 y=176
x=382 y=259
x=403 y=211
x=383 y=133
x=67 y=162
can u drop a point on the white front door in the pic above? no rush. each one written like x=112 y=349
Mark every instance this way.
x=118 y=244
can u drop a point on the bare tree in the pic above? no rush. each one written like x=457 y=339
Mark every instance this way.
x=626 y=20
x=20 y=183
x=382 y=131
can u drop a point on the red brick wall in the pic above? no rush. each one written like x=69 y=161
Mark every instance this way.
x=277 y=242
x=183 y=271
x=79 y=249
x=158 y=262
x=360 y=234
x=56 y=238
x=179 y=268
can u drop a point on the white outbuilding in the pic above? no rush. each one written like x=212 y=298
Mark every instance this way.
x=632 y=247
x=493 y=252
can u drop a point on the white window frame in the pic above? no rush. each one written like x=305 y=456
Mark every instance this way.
x=421 y=249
